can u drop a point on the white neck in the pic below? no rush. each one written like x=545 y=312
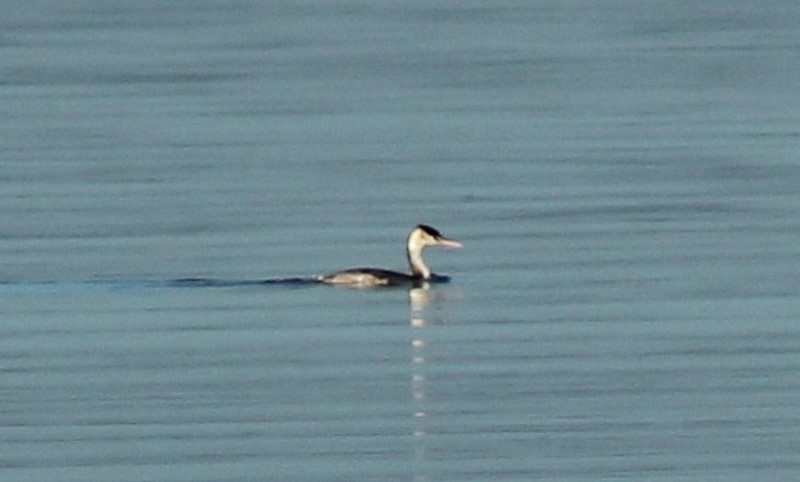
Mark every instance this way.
x=415 y=261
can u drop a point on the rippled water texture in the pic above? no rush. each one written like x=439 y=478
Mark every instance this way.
x=624 y=177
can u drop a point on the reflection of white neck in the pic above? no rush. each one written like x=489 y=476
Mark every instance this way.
x=415 y=261
x=419 y=396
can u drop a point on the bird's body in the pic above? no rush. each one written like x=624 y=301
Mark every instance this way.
x=421 y=237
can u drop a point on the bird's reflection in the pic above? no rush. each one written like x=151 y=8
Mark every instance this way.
x=426 y=309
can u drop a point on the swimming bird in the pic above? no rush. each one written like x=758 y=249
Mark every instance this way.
x=421 y=237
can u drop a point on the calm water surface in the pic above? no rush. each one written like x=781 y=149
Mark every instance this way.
x=623 y=174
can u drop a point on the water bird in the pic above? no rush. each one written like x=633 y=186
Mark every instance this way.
x=421 y=237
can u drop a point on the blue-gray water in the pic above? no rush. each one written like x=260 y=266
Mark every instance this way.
x=624 y=175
